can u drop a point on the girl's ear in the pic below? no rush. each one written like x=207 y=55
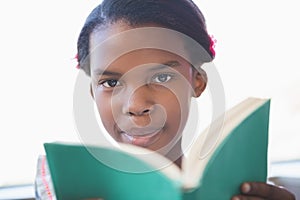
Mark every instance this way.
x=91 y=91
x=199 y=81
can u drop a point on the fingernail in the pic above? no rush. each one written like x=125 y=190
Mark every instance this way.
x=235 y=198
x=246 y=188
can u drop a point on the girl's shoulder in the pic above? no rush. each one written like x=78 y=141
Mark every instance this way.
x=44 y=189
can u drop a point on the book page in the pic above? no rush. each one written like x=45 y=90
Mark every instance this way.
x=156 y=160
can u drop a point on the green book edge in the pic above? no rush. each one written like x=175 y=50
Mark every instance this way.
x=92 y=178
x=228 y=168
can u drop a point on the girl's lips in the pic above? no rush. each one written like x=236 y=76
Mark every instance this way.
x=141 y=140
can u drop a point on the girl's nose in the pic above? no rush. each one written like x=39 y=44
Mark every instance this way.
x=139 y=112
x=139 y=102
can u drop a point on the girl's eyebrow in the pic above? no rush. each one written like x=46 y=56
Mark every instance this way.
x=172 y=63
x=106 y=72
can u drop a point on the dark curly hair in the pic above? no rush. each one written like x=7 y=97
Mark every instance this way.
x=179 y=15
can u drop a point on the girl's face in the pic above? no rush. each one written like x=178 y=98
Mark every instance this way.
x=142 y=96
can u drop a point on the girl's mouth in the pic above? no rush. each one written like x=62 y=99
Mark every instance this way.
x=142 y=140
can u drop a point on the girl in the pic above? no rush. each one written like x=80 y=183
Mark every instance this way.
x=144 y=71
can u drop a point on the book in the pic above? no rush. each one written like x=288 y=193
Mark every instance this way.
x=219 y=160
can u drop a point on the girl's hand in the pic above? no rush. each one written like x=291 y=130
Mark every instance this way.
x=260 y=191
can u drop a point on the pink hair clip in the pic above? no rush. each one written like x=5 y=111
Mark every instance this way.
x=76 y=57
x=212 y=45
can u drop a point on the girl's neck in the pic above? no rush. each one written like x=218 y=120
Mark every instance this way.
x=175 y=154
x=178 y=161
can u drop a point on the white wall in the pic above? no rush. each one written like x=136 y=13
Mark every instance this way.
x=37 y=43
x=258 y=55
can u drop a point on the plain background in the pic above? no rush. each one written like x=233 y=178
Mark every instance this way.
x=257 y=55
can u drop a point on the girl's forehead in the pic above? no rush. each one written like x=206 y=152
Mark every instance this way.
x=120 y=43
x=147 y=56
x=114 y=28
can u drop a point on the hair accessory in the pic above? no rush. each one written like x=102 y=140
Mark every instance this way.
x=212 y=45
x=76 y=57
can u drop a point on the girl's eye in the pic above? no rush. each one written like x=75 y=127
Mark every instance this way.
x=110 y=83
x=162 y=78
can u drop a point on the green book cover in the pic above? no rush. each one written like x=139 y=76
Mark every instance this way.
x=218 y=162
